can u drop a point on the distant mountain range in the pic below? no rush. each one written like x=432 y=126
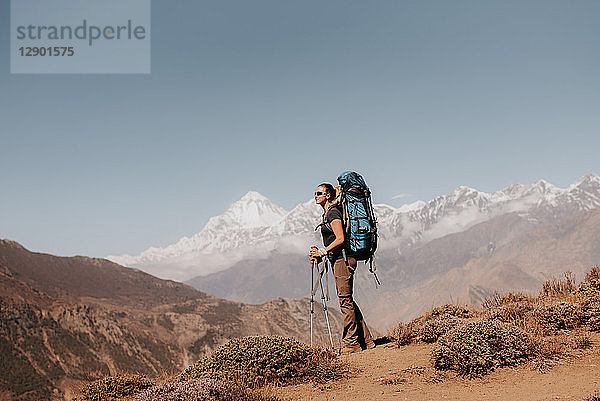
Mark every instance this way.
x=249 y=258
x=254 y=226
x=66 y=321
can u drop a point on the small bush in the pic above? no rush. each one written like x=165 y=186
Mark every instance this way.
x=206 y=389
x=547 y=320
x=435 y=328
x=558 y=316
x=478 y=347
x=452 y=310
x=394 y=332
x=114 y=387
x=255 y=361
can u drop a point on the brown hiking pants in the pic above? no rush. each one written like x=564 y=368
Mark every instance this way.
x=355 y=331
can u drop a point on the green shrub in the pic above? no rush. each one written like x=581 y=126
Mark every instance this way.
x=114 y=387
x=593 y=276
x=589 y=289
x=478 y=347
x=255 y=361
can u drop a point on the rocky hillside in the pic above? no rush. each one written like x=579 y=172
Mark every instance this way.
x=72 y=320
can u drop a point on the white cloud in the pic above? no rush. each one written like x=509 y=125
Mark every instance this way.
x=400 y=196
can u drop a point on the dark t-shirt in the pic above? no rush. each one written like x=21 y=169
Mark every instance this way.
x=333 y=213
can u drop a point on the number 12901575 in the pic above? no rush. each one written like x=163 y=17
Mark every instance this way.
x=51 y=51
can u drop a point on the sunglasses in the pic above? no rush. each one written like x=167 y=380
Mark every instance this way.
x=319 y=193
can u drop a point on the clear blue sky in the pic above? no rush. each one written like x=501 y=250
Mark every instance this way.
x=278 y=96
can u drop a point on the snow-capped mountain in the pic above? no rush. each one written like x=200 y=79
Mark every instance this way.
x=253 y=227
x=466 y=207
x=224 y=240
x=251 y=211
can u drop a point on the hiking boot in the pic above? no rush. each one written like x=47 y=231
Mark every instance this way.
x=370 y=345
x=350 y=349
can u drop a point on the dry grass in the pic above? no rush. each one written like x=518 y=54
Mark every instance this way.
x=501 y=300
x=557 y=288
x=546 y=327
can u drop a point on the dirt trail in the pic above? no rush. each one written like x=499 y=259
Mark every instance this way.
x=389 y=373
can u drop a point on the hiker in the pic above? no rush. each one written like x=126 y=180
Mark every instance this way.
x=356 y=335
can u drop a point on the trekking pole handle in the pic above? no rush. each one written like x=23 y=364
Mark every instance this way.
x=320 y=253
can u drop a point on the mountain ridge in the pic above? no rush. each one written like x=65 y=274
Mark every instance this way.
x=221 y=244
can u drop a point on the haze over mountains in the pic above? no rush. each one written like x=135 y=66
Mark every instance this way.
x=256 y=251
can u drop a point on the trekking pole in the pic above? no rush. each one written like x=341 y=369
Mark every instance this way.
x=325 y=306
x=312 y=298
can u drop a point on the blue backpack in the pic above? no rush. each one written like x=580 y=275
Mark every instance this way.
x=359 y=220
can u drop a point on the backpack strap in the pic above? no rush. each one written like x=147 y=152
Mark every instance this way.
x=323 y=223
x=328 y=224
